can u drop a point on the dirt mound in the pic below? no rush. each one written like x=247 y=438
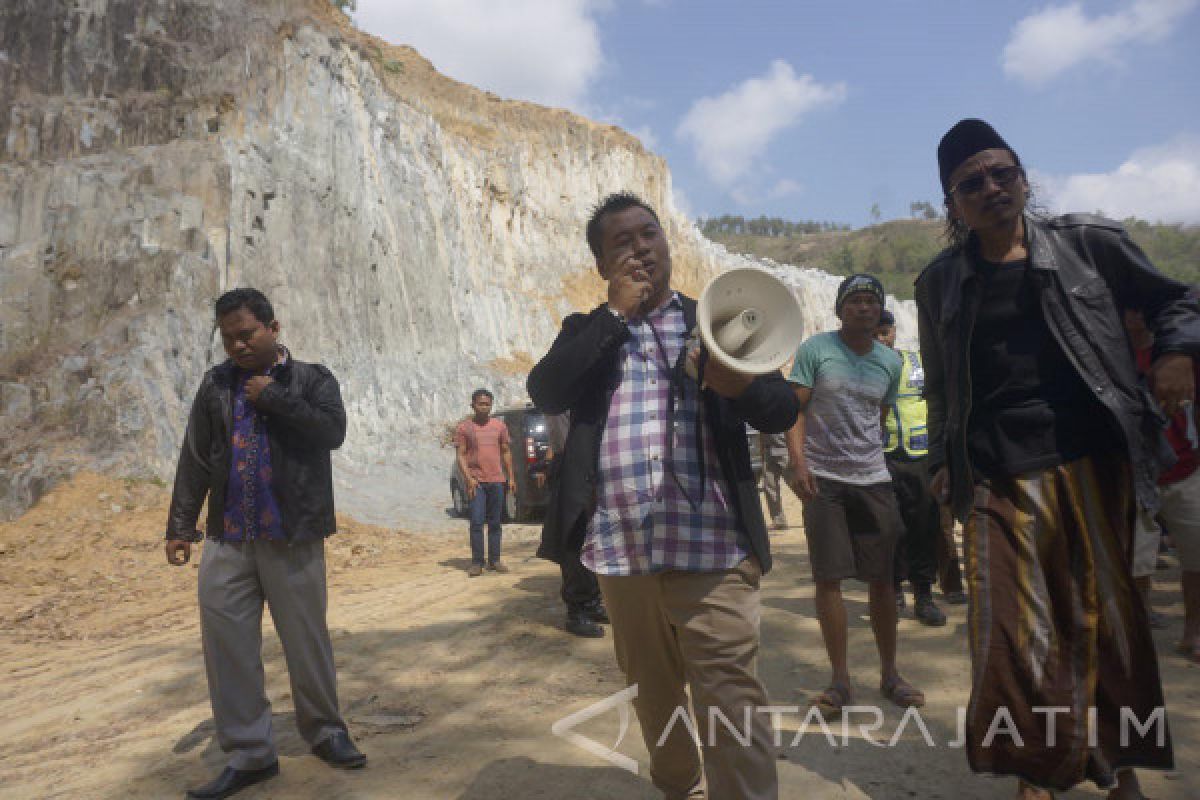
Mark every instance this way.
x=86 y=561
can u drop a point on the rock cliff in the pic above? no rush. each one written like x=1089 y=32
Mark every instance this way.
x=418 y=236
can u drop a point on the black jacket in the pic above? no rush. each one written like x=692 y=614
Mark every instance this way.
x=1088 y=270
x=579 y=374
x=305 y=420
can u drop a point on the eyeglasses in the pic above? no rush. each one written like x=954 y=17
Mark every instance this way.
x=1001 y=176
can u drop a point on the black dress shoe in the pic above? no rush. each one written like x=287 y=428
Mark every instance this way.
x=583 y=625
x=231 y=781
x=927 y=612
x=338 y=751
x=599 y=613
x=956 y=598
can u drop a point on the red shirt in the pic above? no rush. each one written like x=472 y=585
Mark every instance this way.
x=483 y=448
x=1177 y=432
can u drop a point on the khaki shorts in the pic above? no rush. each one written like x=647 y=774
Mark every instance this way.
x=852 y=530
x=1146 y=536
x=1180 y=512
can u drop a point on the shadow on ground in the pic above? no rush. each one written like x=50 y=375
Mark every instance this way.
x=480 y=676
x=500 y=778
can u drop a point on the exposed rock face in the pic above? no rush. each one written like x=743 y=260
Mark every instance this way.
x=418 y=236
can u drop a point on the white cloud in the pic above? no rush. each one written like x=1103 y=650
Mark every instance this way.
x=547 y=51
x=743 y=196
x=1050 y=42
x=785 y=188
x=1159 y=184
x=752 y=194
x=646 y=136
x=731 y=131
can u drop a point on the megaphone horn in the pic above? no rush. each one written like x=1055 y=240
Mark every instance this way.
x=733 y=334
x=749 y=320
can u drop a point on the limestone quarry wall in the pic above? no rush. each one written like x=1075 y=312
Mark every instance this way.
x=418 y=236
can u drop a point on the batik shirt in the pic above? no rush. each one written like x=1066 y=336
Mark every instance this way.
x=251 y=510
x=644 y=521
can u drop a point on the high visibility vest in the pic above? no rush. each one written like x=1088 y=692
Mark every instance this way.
x=907 y=420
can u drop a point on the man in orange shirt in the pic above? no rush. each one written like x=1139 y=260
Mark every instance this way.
x=484 y=458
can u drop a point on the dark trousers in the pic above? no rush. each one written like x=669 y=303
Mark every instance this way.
x=916 y=553
x=486 y=506
x=580 y=589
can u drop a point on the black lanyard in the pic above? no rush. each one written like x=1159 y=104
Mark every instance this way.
x=675 y=377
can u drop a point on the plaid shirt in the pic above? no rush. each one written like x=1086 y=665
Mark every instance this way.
x=643 y=522
x=251 y=509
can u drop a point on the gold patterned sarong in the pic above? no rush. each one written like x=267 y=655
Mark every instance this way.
x=1065 y=683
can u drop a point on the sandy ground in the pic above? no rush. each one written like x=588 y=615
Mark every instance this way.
x=450 y=684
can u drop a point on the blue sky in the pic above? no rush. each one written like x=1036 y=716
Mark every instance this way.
x=817 y=110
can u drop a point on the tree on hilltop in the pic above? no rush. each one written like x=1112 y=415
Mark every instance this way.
x=922 y=210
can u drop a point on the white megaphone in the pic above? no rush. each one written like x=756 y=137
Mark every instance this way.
x=749 y=320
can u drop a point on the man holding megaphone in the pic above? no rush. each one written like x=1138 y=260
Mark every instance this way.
x=657 y=497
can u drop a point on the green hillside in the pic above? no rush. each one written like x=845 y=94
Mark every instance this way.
x=898 y=250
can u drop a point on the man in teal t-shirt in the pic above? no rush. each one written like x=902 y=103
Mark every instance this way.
x=845 y=380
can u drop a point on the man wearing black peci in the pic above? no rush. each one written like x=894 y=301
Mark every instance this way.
x=1043 y=443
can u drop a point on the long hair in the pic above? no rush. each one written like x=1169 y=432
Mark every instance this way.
x=957 y=234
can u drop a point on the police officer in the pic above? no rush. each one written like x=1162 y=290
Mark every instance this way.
x=906 y=446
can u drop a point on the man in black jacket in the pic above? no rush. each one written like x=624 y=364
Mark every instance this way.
x=257 y=447
x=1043 y=442
x=656 y=491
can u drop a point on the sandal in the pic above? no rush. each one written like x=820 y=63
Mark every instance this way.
x=831 y=701
x=1028 y=790
x=902 y=693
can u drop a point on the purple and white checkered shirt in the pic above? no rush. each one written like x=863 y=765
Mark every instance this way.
x=643 y=523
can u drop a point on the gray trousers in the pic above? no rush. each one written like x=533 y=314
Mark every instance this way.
x=775 y=461
x=235 y=579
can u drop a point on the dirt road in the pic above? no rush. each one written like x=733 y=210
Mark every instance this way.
x=450 y=684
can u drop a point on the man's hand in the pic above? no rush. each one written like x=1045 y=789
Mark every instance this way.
x=721 y=379
x=179 y=551
x=539 y=480
x=512 y=486
x=1173 y=381
x=472 y=485
x=255 y=385
x=629 y=288
x=939 y=486
x=800 y=480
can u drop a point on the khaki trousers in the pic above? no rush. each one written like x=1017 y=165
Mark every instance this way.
x=235 y=578
x=698 y=630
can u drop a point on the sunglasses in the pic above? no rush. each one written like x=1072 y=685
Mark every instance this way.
x=1001 y=176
